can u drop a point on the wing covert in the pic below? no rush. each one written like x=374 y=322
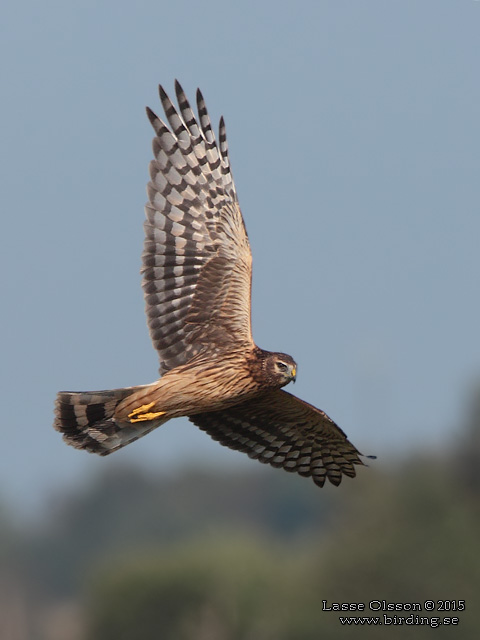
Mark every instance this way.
x=196 y=258
x=280 y=429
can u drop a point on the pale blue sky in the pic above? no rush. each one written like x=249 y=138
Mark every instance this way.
x=354 y=135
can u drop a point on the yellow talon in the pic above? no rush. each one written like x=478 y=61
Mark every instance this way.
x=147 y=416
x=140 y=413
x=144 y=407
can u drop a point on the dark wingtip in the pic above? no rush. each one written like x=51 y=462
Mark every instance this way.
x=151 y=115
x=369 y=458
x=178 y=87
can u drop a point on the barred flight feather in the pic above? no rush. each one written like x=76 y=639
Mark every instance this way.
x=279 y=429
x=193 y=226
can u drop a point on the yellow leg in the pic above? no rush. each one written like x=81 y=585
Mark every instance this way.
x=140 y=414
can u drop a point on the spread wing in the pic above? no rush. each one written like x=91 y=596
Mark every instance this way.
x=280 y=429
x=196 y=260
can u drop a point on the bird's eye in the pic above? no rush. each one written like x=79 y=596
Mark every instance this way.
x=282 y=366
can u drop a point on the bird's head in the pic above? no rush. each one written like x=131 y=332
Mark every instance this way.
x=280 y=368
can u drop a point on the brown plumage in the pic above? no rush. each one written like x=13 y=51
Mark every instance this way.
x=197 y=269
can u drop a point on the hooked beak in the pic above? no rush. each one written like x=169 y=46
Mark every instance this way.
x=294 y=374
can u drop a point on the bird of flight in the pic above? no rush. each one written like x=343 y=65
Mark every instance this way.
x=197 y=269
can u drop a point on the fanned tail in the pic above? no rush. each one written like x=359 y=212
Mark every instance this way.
x=86 y=420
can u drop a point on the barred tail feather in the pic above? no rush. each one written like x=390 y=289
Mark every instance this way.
x=86 y=420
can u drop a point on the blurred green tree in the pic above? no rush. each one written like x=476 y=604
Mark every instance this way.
x=252 y=556
x=213 y=589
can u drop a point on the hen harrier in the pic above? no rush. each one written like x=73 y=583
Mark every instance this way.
x=197 y=269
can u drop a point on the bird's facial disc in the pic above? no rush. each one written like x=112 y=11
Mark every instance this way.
x=287 y=370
